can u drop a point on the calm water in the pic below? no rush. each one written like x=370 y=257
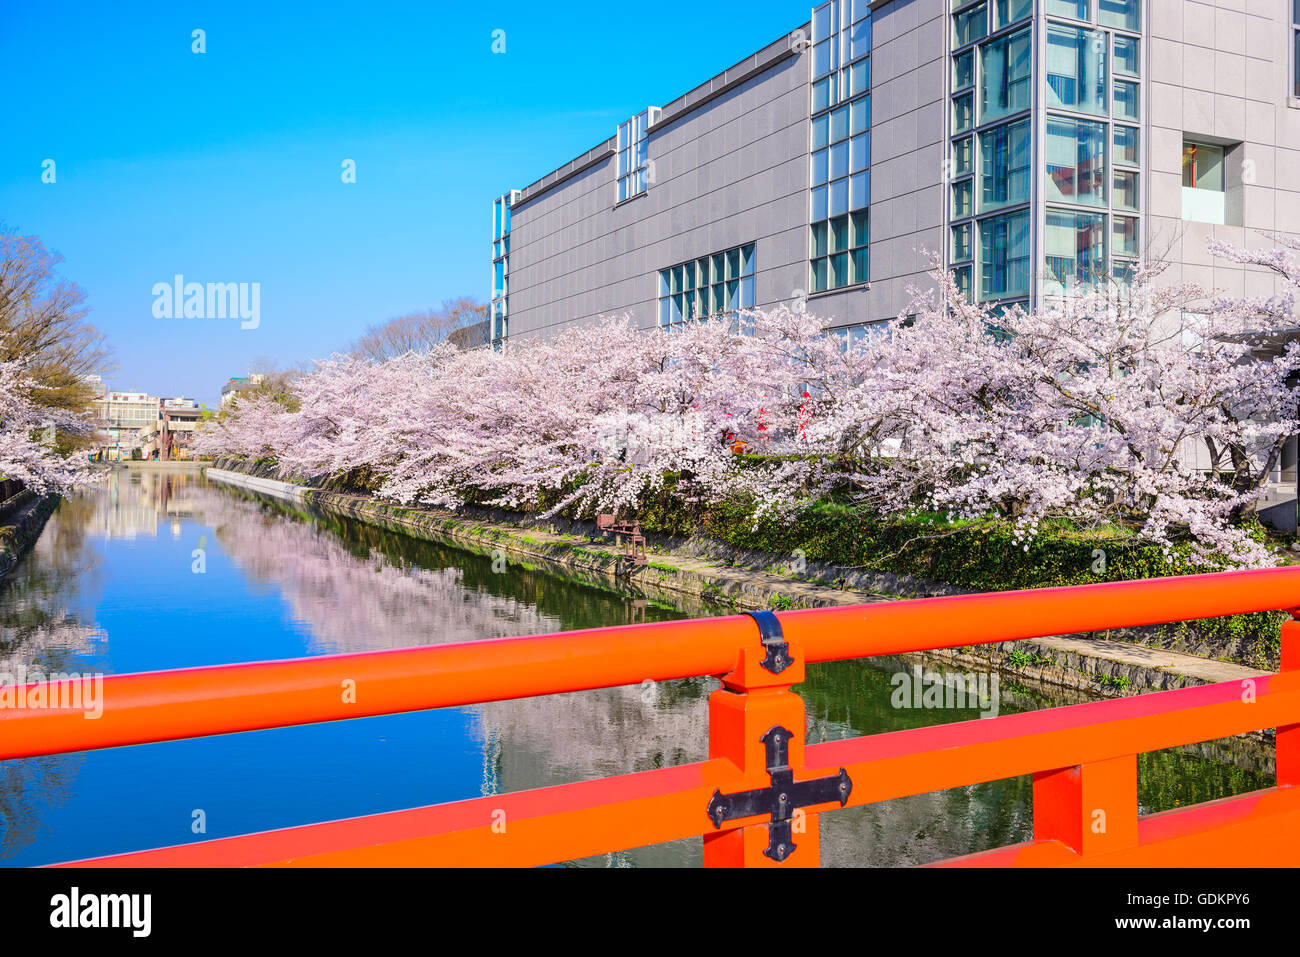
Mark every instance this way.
x=111 y=587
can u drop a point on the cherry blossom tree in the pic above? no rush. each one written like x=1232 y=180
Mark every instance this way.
x=1155 y=407
x=27 y=452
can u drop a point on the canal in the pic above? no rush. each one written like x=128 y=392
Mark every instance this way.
x=157 y=570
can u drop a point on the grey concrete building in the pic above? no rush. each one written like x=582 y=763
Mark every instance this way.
x=1033 y=144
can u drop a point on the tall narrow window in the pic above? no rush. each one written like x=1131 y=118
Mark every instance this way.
x=1004 y=72
x=970 y=25
x=841 y=145
x=1004 y=256
x=634 y=154
x=1076 y=160
x=499 y=318
x=1076 y=69
x=1076 y=249
x=1004 y=165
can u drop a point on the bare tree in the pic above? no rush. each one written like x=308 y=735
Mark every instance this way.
x=419 y=330
x=42 y=324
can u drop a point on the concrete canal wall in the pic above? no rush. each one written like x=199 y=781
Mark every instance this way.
x=284 y=491
x=1109 y=666
x=21 y=519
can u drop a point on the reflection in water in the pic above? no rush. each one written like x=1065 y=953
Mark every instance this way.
x=112 y=586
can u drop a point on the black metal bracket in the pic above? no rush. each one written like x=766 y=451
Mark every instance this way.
x=781 y=799
x=774 y=643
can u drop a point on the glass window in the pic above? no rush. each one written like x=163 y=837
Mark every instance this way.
x=860 y=152
x=825 y=20
x=823 y=58
x=710 y=285
x=970 y=25
x=1004 y=76
x=860 y=39
x=820 y=167
x=860 y=190
x=839 y=234
x=840 y=159
x=962 y=113
x=1007 y=12
x=1004 y=256
x=839 y=124
x=839 y=197
x=1126 y=189
x=963 y=157
x=1125 y=241
x=961 y=198
x=858 y=258
x=963 y=70
x=839 y=270
x=860 y=114
x=822 y=97
x=1126 y=56
x=860 y=261
x=1124 y=14
x=1126 y=100
x=819 y=239
x=820 y=131
x=1202 y=166
x=634 y=152
x=1076 y=160
x=1076 y=69
x=1004 y=165
x=1126 y=145
x=1075 y=245
x=859 y=223
x=1074 y=9
x=962 y=276
x=859 y=77
x=819 y=275
x=961 y=242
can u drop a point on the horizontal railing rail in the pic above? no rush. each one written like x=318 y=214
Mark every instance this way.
x=757 y=798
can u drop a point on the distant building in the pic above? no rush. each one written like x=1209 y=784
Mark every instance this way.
x=121 y=417
x=239 y=384
x=170 y=436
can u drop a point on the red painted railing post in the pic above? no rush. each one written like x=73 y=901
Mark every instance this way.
x=751 y=702
x=1090 y=808
x=1288 y=737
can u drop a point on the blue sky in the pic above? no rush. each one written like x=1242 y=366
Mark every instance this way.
x=225 y=166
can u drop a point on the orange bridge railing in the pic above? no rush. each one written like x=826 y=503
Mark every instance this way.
x=757 y=797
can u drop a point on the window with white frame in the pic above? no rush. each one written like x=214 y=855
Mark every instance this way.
x=501 y=267
x=714 y=285
x=634 y=154
x=840 y=187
